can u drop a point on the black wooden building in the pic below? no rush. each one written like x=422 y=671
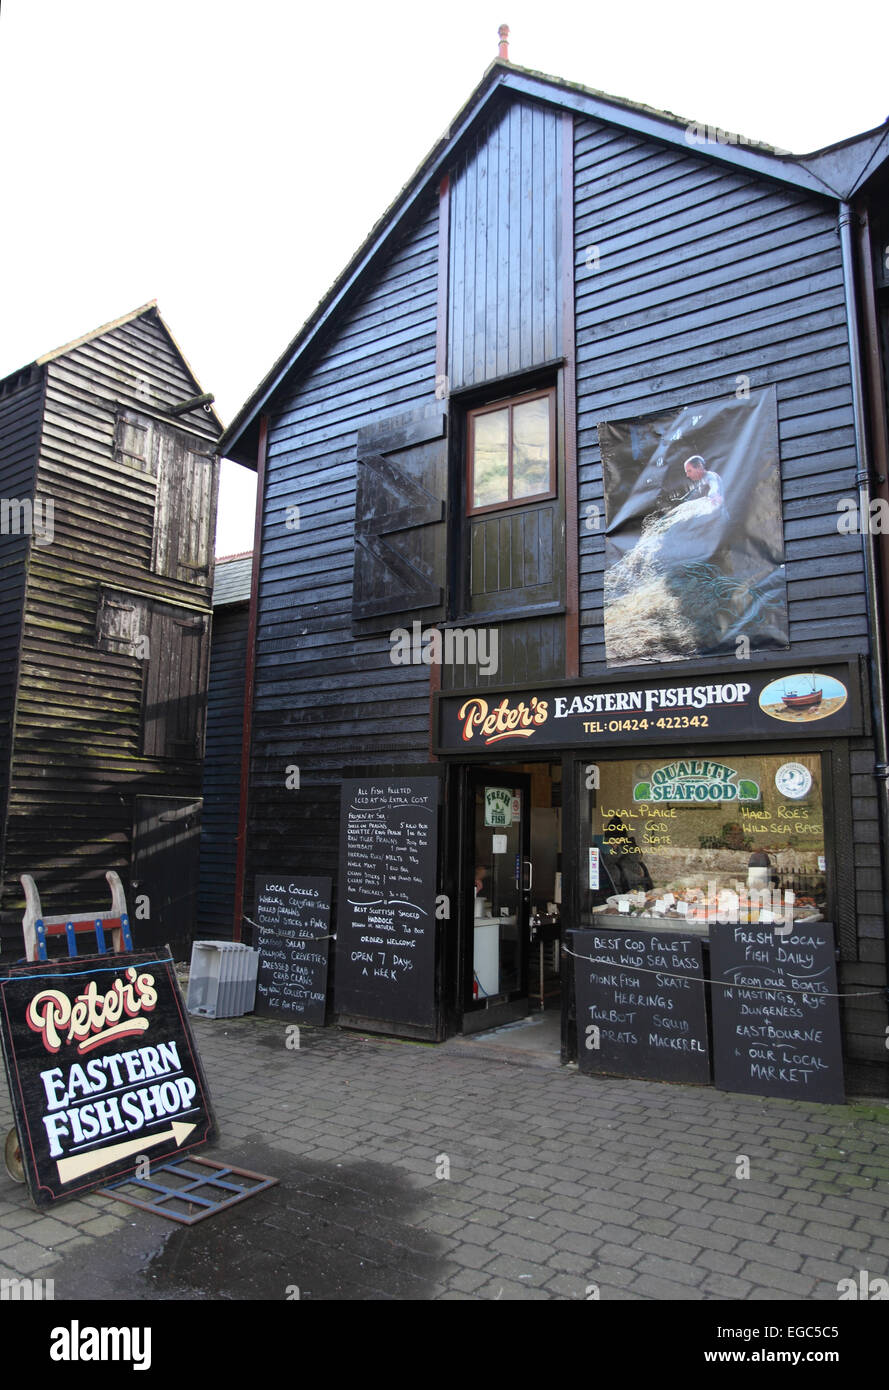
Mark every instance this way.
x=569 y=275
x=108 y=474
x=223 y=751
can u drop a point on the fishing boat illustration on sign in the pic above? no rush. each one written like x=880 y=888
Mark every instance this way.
x=807 y=700
x=803 y=697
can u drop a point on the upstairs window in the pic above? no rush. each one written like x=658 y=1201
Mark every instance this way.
x=512 y=457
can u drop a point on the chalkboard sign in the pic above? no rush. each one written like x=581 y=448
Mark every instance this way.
x=292 y=917
x=640 y=1007
x=385 y=949
x=102 y=1069
x=776 y=1031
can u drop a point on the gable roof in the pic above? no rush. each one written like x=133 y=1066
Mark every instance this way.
x=144 y=309
x=97 y=333
x=835 y=172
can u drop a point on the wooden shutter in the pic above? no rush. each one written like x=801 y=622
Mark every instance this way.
x=184 y=516
x=400 y=520
x=175 y=689
x=121 y=622
x=135 y=444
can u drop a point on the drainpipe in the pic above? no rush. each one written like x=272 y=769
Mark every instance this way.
x=874 y=614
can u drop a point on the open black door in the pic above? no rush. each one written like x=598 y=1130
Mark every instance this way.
x=496 y=906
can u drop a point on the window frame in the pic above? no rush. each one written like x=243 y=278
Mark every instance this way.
x=509 y=403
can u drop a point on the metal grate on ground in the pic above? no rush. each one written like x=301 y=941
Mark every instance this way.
x=189 y=1190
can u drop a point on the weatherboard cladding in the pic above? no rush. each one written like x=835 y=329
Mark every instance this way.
x=505 y=317
x=689 y=273
x=222 y=771
x=77 y=760
x=706 y=275
x=19 y=436
x=323 y=699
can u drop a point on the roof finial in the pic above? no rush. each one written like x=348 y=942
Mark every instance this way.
x=503 y=34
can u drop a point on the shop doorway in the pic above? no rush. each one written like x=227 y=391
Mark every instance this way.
x=512 y=901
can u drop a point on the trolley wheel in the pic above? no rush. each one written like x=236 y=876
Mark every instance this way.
x=12 y=1156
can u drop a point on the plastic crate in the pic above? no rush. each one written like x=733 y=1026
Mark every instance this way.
x=222 y=979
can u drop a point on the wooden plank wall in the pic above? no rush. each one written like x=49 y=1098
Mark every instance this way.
x=505 y=292
x=689 y=274
x=704 y=275
x=76 y=758
x=324 y=700
x=700 y=274
x=504 y=316
x=222 y=772
x=866 y=1017
x=21 y=401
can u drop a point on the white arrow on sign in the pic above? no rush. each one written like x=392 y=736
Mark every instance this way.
x=78 y=1164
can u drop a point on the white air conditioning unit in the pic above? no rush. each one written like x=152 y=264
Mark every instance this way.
x=222 y=979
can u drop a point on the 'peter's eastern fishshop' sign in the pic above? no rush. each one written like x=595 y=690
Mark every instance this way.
x=580 y=716
x=102 y=1069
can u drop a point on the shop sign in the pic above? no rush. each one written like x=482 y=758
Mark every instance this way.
x=498 y=806
x=291 y=932
x=776 y=1018
x=698 y=781
x=653 y=711
x=640 y=1005
x=385 y=943
x=102 y=1069
x=805 y=698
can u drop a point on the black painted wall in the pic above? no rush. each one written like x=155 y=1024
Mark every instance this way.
x=222 y=773
x=702 y=277
x=323 y=699
x=21 y=405
x=689 y=274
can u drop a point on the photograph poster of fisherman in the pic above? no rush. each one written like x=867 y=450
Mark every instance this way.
x=694 y=557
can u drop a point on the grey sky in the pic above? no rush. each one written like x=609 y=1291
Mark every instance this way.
x=227 y=158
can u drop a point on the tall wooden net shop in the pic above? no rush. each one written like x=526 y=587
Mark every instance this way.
x=567 y=652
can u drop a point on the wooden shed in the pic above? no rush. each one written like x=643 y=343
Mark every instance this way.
x=581 y=324
x=109 y=475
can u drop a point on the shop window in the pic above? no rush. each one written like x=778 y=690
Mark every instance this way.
x=703 y=839
x=511 y=452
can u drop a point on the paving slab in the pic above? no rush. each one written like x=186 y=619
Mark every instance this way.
x=554 y=1183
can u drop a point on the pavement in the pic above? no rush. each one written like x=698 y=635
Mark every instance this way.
x=411 y=1171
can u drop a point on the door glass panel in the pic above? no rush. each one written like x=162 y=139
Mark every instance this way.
x=498 y=923
x=530 y=448
x=490 y=463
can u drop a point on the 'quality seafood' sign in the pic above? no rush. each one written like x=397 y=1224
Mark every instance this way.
x=102 y=1068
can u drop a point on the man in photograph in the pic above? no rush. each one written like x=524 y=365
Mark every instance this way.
x=705 y=483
